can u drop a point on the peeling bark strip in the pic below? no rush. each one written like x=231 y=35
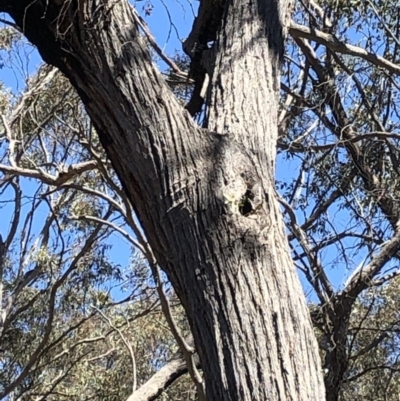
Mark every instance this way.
x=205 y=198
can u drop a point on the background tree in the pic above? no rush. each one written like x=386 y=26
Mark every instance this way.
x=340 y=124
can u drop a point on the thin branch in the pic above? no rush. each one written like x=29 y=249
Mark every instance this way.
x=385 y=278
x=370 y=369
x=10 y=23
x=127 y=345
x=363 y=278
x=334 y=44
x=371 y=346
x=185 y=348
x=318 y=271
x=114 y=227
x=341 y=143
x=178 y=72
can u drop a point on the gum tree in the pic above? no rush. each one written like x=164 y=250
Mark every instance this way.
x=204 y=195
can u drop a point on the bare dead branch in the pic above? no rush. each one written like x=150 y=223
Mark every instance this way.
x=56 y=180
x=161 y=380
x=331 y=42
x=363 y=278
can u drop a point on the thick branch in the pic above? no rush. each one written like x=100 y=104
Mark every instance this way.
x=59 y=179
x=161 y=380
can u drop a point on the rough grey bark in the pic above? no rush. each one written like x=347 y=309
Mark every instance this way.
x=191 y=186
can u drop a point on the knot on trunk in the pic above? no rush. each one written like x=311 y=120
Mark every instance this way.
x=240 y=183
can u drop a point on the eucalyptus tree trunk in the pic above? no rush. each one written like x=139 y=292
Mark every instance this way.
x=204 y=196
